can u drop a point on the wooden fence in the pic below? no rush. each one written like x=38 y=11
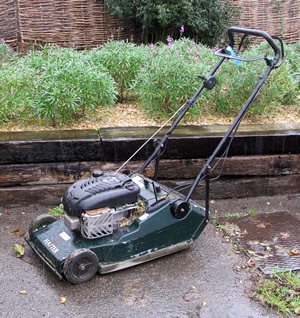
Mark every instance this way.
x=276 y=17
x=78 y=23
x=86 y=23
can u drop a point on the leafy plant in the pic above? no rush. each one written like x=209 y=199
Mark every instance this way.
x=219 y=227
x=237 y=84
x=203 y=20
x=68 y=83
x=170 y=77
x=62 y=85
x=58 y=211
x=229 y=215
x=123 y=60
x=280 y=292
x=6 y=53
x=252 y=212
x=16 y=92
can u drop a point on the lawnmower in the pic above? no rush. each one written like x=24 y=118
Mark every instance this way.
x=113 y=221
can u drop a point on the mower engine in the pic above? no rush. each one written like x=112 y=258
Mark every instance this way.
x=97 y=206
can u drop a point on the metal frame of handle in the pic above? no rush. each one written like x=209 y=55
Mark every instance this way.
x=272 y=64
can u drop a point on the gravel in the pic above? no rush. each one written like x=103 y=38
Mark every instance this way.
x=129 y=115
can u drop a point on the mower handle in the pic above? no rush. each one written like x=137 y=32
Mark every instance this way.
x=253 y=32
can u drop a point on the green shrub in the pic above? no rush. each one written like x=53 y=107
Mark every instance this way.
x=16 y=92
x=170 y=77
x=67 y=84
x=203 y=20
x=292 y=59
x=237 y=83
x=123 y=61
x=59 y=84
x=6 y=53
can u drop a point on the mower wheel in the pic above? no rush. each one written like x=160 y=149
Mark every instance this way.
x=180 y=209
x=81 y=266
x=41 y=221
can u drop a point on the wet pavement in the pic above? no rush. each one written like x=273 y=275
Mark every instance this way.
x=207 y=280
x=271 y=240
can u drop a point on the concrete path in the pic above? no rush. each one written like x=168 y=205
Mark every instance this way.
x=203 y=281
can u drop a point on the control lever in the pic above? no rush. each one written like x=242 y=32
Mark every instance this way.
x=208 y=82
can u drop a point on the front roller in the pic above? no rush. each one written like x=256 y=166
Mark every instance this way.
x=81 y=266
x=41 y=221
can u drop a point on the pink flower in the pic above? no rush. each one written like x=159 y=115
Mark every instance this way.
x=169 y=39
x=181 y=29
x=154 y=51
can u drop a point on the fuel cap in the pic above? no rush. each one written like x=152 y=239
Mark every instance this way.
x=97 y=173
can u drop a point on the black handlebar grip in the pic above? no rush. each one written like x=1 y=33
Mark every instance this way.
x=262 y=34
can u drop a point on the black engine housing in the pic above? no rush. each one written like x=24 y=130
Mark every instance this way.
x=108 y=190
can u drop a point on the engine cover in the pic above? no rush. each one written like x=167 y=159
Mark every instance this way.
x=108 y=190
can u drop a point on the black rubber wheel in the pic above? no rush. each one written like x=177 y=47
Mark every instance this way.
x=41 y=221
x=180 y=209
x=81 y=266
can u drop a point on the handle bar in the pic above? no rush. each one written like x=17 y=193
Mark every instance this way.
x=259 y=33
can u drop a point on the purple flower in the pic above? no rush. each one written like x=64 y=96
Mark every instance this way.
x=170 y=45
x=169 y=39
x=154 y=51
x=151 y=46
x=181 y=29
x=183 y=43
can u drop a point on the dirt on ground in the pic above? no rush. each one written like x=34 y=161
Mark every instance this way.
x=130 y=115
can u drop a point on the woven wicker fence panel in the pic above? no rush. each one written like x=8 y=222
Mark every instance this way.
x=276 y=17
x=8 y=22
x=82 y=24
x=86 y=23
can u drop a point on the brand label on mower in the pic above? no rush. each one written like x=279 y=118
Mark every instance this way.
x=64 y=236
x=51 y=246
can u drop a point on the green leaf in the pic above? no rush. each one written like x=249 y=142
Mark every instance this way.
x=19 y=249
